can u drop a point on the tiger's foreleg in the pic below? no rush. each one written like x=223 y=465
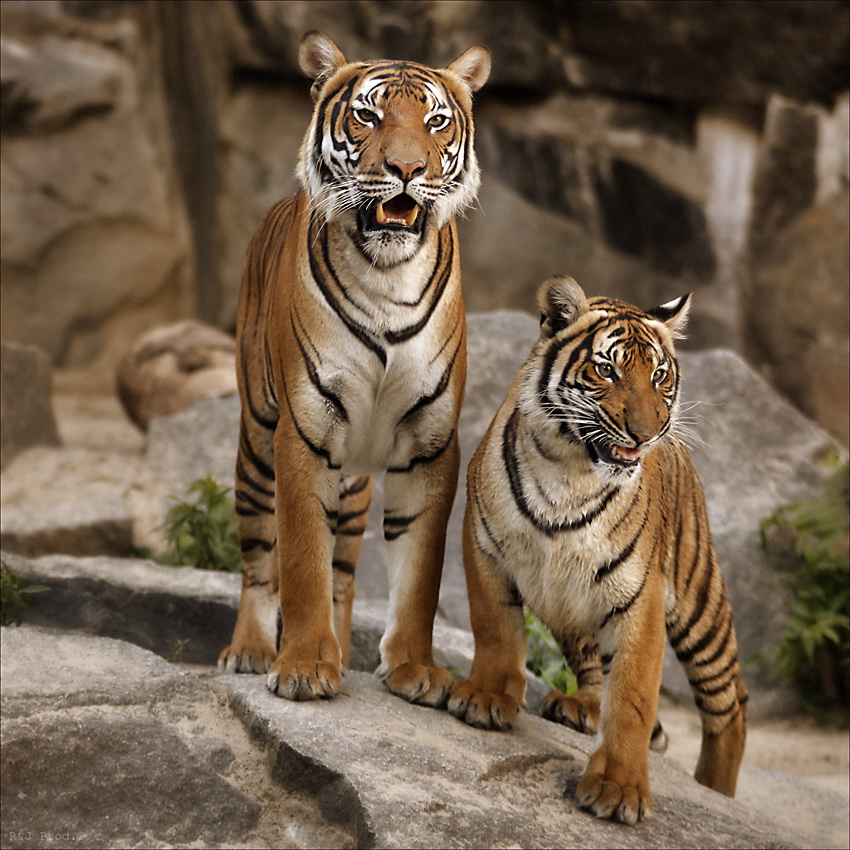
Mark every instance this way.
x=418 y=501
x=615 y=783
x=490 y=697
x=307 y=507
x=354 y=498
x=252 y=648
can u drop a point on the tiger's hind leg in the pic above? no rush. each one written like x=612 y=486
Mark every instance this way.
x=253 y=646
x=703 y=636
x=354 y=498
x=581 y=710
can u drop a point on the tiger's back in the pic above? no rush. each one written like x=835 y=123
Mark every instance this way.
x=584 y=505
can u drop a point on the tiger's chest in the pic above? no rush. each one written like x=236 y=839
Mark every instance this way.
x=380 y=364
x=392 y=416
x=560 y=548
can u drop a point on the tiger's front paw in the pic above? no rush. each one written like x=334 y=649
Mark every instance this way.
x=302 y=680
x=480 y=709
x=246 y=658
x=425 y=684
x=579 y=712
x=620 y=793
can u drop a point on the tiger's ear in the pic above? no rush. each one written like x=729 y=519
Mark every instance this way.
x=560 y=301
x=473 y=67
x=319 y=59
x=674 y=314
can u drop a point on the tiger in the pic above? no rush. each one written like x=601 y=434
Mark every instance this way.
x=584 y=505
x=351 y=361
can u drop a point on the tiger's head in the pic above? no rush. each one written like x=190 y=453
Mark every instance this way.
x=608 y=373
x=389 y=149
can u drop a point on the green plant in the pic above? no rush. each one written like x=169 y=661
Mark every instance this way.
x=545 y=658
x=202 y=531
x=13 y=597
x=177 y=653
x=815 y=648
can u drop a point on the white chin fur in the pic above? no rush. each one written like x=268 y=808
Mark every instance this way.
x=391 y=248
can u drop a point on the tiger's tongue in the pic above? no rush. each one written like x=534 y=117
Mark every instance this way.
x=626 y=454
x=401 y=209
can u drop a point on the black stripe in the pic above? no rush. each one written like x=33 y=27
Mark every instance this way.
x=350 y=515
x=686 y=655
x=249 y=543
x=242 y=496
x=499 y=546
x=247 y=450
x=269 y=423
x=615 y=562
x=700 y=607
x=313 y=374
x=395 y=526
x=515 y=481
x=243 y=476
x=410 y=331
x=621 y=609
x=695 y=683
x=423 y=458
x=356 y=329
x=317 y=450
x=360 y=484
x=442 y=384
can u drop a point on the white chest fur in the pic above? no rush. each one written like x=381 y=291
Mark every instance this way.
x=389 y=340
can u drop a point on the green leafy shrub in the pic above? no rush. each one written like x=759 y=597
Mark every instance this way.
x=545 y=658
x=201 y=531
x=14 y=598
x=815 y=649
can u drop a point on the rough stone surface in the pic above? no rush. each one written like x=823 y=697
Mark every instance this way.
x=26 y=414
x=157 y=756
x=107 y=745
x=95 y=242
x=171 y=367
x=68 y=500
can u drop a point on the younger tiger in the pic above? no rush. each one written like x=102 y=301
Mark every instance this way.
x=584 y=505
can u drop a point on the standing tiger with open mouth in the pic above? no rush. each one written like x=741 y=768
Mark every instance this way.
x=351 y=359
x=583 y=504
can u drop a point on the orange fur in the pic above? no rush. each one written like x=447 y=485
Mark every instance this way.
x=351 y=356
x=584 y=505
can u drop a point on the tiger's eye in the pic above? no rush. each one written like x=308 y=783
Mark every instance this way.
x=659 y=374
x=604 y=370
x=438 y=122
x=366 y=116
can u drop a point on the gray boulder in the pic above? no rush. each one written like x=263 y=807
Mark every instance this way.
x=158 y=756
x=107 y=745
x=68 y=500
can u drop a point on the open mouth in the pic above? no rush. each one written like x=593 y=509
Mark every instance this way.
x=398 y=213
x=619 y=455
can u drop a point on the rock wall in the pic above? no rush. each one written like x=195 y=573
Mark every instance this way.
x=646 y=148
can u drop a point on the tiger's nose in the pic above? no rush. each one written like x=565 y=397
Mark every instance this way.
x=406 y=170
x=640 y=434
